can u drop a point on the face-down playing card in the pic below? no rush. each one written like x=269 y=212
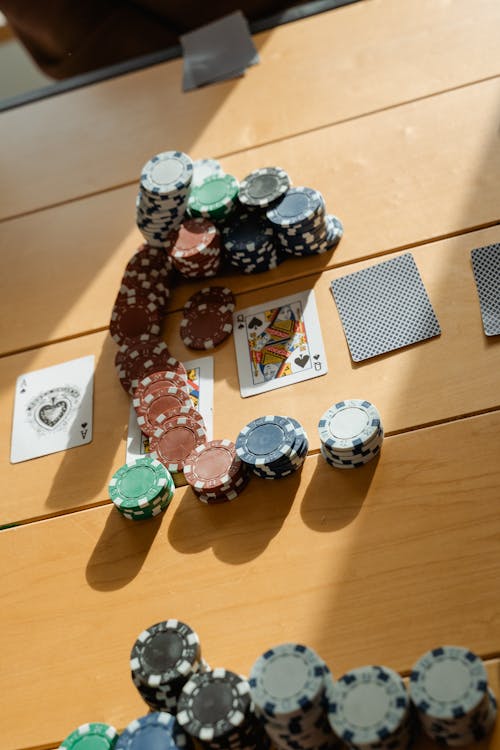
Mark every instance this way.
x=278 y=343
x=486 y=268
x=384 y=307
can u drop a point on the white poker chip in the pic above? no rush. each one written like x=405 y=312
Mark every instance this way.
x=348 y=424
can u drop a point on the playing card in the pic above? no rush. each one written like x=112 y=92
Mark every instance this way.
x=486 y=268
x=200 y=375
x=384 y=307
x=53 y=409
x=278 y=343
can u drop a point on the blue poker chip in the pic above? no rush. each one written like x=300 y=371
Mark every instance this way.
x=265 y=440
x=249 y=233
x=155 y=730
x=300 y=206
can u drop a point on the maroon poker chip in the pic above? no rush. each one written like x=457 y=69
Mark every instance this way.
x=129 y=345
x=184 y=412
x=148 y=257
x=135 y=355
x=219 y=295
x=214 y=498
x=158 y=402
x=172 y=443
x=205 y=326
x=133 y=316
x=212 y=465
x=158 y=359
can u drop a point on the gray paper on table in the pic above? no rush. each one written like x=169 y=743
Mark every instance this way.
x=486 y=268
x=218 y=51
x=384 y=307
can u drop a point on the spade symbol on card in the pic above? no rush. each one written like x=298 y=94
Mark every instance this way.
x=84 y=430
x=52 y=413
x=316 y=356
x=302 y=361
x=23 y=386
x=255 y=323
x=240 y=321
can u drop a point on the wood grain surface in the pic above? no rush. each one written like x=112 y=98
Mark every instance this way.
x=324 y=69
x=403 y=548
x=383 y=175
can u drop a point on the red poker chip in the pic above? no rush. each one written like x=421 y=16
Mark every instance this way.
x=133 y=316
x=172 y=443
x=135 y=355
x=212 y=465
x=148 y=257
x=143 y=290
x=206 y=325
x=157 y=360
x=192 y=236
x=164 y=400
x=185 y=412
x=145 y=344
x=158 y=379
x=223 y=497
x=218 y=295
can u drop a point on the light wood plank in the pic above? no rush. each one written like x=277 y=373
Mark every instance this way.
x=448 y=376
x=382 y=175
x=324 y=69
x=374 y=566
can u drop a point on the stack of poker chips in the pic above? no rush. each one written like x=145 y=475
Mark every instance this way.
x=215 y=709
x=287 y=684
x=149 y=274
x=207 y=318
x=98 y=735
x=163 y=394
x=141 y=489
x=249 y=244
x=351 y=433
x=156 y=730
x=141 y=356
x=163 y=195
x=163 y=658
x=272 y=447
x=215 y=472
x=302 y=224
x=449 y=689
x=369 y=709
x=195 y=248
x=215 y=197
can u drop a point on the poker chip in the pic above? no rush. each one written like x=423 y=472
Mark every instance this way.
x=203 y=168
x=272 y=447
x=211 y=294
x=163 y=196
x=214 y=708
x=449 y=689
x=141 y=489
x=263 y=187
x=144 y=358
x=249 y=244
x=215 y=473
x=95 y=736
x=195 y=248
x=133 y=316
x=172 y=442
x=369 y=707
x=147 y=259
x=155 y=730
x=206 y=325
x=157 y=398
x=351 y=433
x=287 y=685
x=215 y=197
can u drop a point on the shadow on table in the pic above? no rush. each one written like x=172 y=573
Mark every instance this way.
x=237 y=531
x=120 y=551
x=334 y=497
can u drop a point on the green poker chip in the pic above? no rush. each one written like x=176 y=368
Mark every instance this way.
x=214 y=196
x=91 y=737
x=138 y=485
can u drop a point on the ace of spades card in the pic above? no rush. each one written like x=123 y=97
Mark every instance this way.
x=278 y=343
x=53 y=409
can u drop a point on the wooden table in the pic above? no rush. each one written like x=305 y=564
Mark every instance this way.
x=391 y=109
